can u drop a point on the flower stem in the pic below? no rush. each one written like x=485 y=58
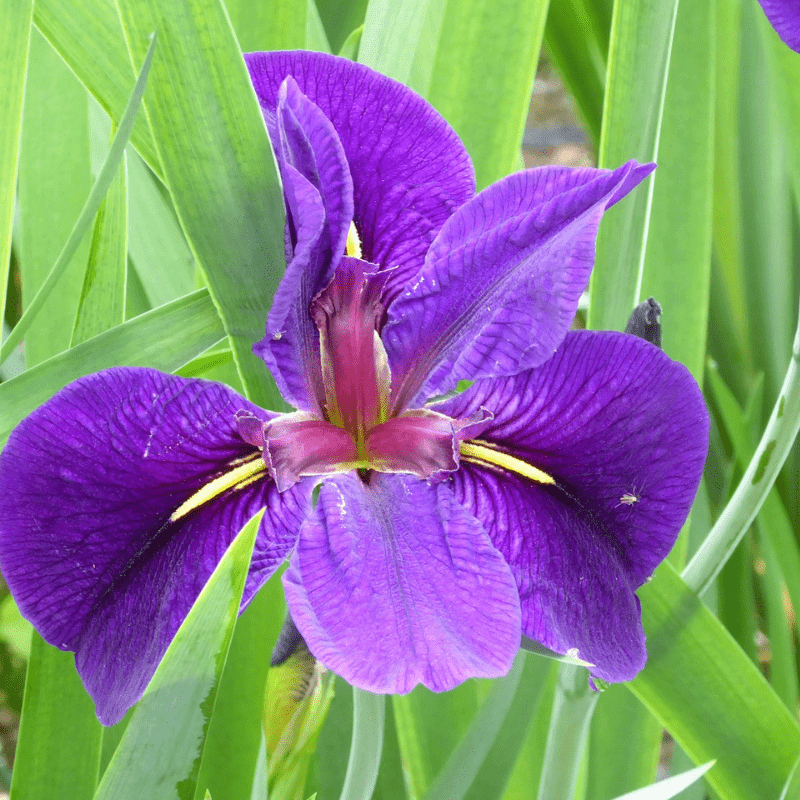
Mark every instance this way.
x=756 y=482
x=365 y=749
x=573 y=707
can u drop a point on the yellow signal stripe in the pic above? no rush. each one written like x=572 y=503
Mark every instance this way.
x=237 y=478
x=483 y=452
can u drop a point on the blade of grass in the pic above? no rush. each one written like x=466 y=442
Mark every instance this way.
x=227 y=196
x=365 y=751
x=483 y=77
x=573 y=707
x=277 y=25
x=90 y=208
x=578 y=51
x=232 y=748
x=429 y=728
x=157 y=245
x=638 y=66
x=58 y=754
x=160 y=752
x=760 y=475
x=165 y=339
x=381 y=48
x=102 y=302
x=54 y=163
x=669 y=787
x=88 y=36
x=710 y=696
x=15 y=35
x=466 y=760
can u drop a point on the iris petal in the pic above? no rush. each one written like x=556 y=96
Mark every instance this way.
x=100 y=541
x=502 y=281
x=394 y=584
x=624 y=432
x=319 y=199
x=410 y=170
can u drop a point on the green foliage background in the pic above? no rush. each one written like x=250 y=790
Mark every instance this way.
x=176 y=269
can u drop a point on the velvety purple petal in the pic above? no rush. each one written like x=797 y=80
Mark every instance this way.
x=501 y=282
x=611 y=418
x=410 y=170
x=393 y=584
x=291 y=346
x=574 y=593
x=319 y=205
x=97 y=543
x=784 y=16
x=624 y=431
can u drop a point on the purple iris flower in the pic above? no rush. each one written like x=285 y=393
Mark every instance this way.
x=533 y=503
x=784 y=16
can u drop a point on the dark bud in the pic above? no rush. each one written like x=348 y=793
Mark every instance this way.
x=645 y=322
x=290 y=640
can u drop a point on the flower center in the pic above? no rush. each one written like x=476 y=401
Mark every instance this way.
x=355 y=368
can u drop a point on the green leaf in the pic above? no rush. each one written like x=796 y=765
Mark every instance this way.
x=638 y=65
x=88 y=36
x=669 y=787
x=157 y=246
x=231 y=756
x=102 y=302
x=678 y=251
x=365 y=749
x=90 y=208
x=466 y=760
x=381 y=48
x=341 y=18
x=429 y=728
x=160 y=753
x=227 y=195
x=577 y=49
x=483 y=77
x=276 y=25
x=509 y=747
x=573 y=706
x=351 y=44
x=164 y=339
x=15 y=35
x=759 y=477
x=626 y=734
x=710 y=696
x=792 y=788
x=54 y=163
x=58 y=754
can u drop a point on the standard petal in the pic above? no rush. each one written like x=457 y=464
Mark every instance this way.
x=393 y=583
x=319 y=203
x=611 y=418
x=501 y=283
x=784 y=16
x=104 y=539
x=291 y=346
x=410 y=170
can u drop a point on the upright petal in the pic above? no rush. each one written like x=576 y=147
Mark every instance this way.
x=410 y=170
x=319 y=205
x=784 y=16
x=393 y=583
x=501 y=282
x=623 y=431
x=118 y=497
